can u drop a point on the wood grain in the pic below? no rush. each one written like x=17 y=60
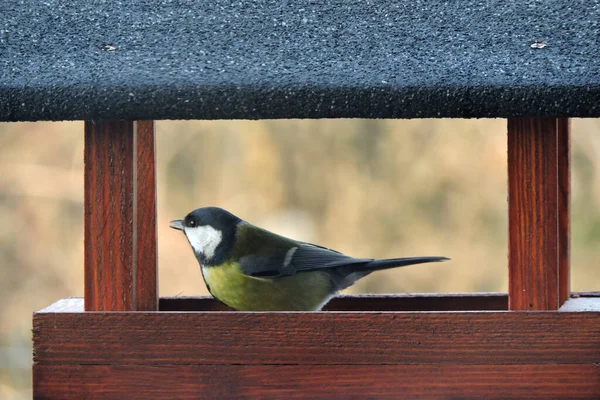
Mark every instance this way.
x=145 y=218
x=538 y=221
x=120 y=216
x=150 y=338
x=318 y=382
x=399 y=302
x=564 y=207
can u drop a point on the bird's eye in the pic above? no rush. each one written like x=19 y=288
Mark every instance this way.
x=192 y=223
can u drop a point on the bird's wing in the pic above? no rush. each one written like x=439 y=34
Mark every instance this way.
x=275 y=256
x=300 y=258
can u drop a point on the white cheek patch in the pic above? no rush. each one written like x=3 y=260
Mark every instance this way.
x=204 y=239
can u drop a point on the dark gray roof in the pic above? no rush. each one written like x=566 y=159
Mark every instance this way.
x=215 y=59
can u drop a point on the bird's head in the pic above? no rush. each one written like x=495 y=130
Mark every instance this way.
x=211 y=233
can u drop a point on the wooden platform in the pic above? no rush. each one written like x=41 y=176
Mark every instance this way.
x=459 y=351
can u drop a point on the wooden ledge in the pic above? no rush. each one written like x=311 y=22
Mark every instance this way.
x=334 y=338
x=582 y=301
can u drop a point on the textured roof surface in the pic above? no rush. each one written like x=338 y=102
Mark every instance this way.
x=178 y=59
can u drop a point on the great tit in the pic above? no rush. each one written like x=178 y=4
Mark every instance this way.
x=252 y=269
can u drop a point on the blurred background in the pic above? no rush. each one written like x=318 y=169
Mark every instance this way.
x=368 y=188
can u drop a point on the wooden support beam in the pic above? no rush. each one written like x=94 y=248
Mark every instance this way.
x=146 y=235
x=564 y=210
x=120 y=216
x=538 y=200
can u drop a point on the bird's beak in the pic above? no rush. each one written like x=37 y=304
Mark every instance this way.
x=176 y=224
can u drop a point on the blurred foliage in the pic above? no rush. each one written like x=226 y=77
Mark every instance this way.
x=387 y=188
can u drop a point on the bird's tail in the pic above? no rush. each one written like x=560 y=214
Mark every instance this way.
x=350 y=273
x=398 y=262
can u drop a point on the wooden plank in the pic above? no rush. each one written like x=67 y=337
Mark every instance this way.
x=581 y=304
x=564 y=206
x=68 y=305
x=108 y=198
x=574 y=381
x=317 y=338
x=145 y=218
x=399 y=302
x=120 y=216
x=535 y=214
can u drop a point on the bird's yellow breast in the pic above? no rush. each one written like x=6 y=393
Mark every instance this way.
x=307 y=291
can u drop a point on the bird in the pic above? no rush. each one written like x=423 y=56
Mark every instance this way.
x=251 y=269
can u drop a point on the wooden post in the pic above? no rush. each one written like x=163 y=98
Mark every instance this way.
x=564 y=210
x=120 y=216
x=538 y=199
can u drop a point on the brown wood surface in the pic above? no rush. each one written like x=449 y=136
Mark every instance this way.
x=400 y=302
x=145 y=217
x=538 y=220
x=120 y=216
x=318 y=382
x=564 y=205
x=590 y=301
x=317 y=338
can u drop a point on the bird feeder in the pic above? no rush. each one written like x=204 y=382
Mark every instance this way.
x=121 y=65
